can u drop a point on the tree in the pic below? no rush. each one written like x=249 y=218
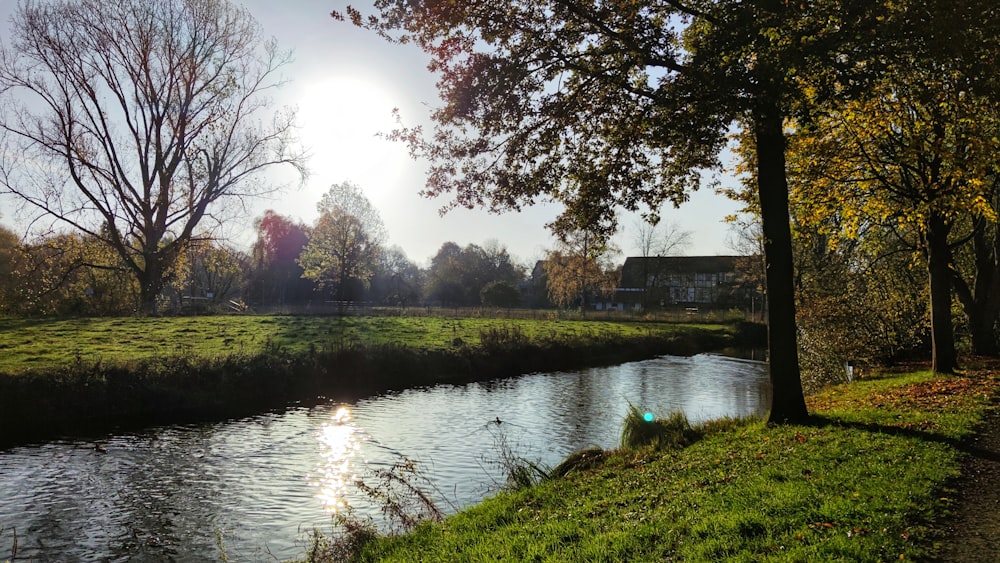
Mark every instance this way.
x=133 y=120
x=215 y=271
x=444 y=277
x=275 y=276
x=746 y=241
x=500 y=294
x=338 y=253
x=350 y=199
x=9 y=254
x=345 y=243
x=397 y=280
x=579 y=269
x=860 y=301
x=600 y=105
x=70 y=274
x=976 y=278
x=458 y=275
x=662 y=239
x=910 y=158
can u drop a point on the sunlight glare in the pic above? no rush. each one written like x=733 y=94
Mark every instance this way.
x=340 y=118
x=339 y=445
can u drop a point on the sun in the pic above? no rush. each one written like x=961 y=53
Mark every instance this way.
x=340 y=119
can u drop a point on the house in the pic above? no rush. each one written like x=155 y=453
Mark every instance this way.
x=664 y=282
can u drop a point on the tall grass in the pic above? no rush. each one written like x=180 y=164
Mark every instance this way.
x=643 y=431
x=402 y=493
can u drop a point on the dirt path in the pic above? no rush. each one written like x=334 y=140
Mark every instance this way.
x=974 y=531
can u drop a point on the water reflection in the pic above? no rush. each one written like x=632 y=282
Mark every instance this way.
x=263 y=482
x=339 y=445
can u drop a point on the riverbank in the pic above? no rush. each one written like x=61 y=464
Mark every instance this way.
x=97 y=374
x=873 y=477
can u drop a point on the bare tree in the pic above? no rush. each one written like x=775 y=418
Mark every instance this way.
x=130 y=120
x=662 y=239
x=746 y=239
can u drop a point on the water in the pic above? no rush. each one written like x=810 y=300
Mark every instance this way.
x=257 y=485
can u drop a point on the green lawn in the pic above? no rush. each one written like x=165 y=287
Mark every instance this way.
x=867 y=481
x=44 y=344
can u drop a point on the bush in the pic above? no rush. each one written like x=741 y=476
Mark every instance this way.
x=500 y=294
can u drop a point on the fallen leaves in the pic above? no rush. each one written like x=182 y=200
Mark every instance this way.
x=940 y=393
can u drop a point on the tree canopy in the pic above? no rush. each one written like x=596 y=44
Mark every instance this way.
x=626 y=104
x=346 y=242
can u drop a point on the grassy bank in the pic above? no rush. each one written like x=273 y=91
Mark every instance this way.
x=868 y=480
x=88 y=374
x=33 y=344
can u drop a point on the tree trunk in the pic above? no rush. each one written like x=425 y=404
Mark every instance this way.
x=981 y=303
x=982 y=330
x=943 y=355
x=788 y=402
x=150 y=284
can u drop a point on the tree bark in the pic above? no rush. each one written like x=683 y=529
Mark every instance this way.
x=150 y=285
x=943 y=356
x=981 y=303
x=788 y=401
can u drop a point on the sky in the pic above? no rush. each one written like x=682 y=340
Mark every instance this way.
x=345 y=82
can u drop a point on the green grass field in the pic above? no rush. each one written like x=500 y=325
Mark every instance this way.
x=44 y=344
x=868 y=481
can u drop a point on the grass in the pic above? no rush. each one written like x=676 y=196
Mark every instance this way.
x=643 y=430
x=31 y=344
x=868 y=480
x=85 y=375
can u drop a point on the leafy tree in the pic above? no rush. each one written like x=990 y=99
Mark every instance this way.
x=350 y=199
x=444 y=276
x=859 y=301
x=498 y=264
x=9 y=254
x=397 y=280
x=909 y=158
x=133 y=120
x=345 y=243
x=275 y=276
x=500 y=294
x=215 y=271
x=70 y=274
x=600 y=105
x=457 y=275
x=338 y=253
x=579 y=269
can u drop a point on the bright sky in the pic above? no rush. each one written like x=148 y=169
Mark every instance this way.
x=345 y=83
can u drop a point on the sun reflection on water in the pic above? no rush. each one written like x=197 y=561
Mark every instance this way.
x=339 y=443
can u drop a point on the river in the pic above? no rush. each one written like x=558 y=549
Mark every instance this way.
x=257 y=485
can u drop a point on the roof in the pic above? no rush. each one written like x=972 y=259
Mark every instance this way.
x=638 y=268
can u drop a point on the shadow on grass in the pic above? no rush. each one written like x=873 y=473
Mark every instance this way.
x=965 y=445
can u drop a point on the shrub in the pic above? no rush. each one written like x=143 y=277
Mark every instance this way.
x=497 y=339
